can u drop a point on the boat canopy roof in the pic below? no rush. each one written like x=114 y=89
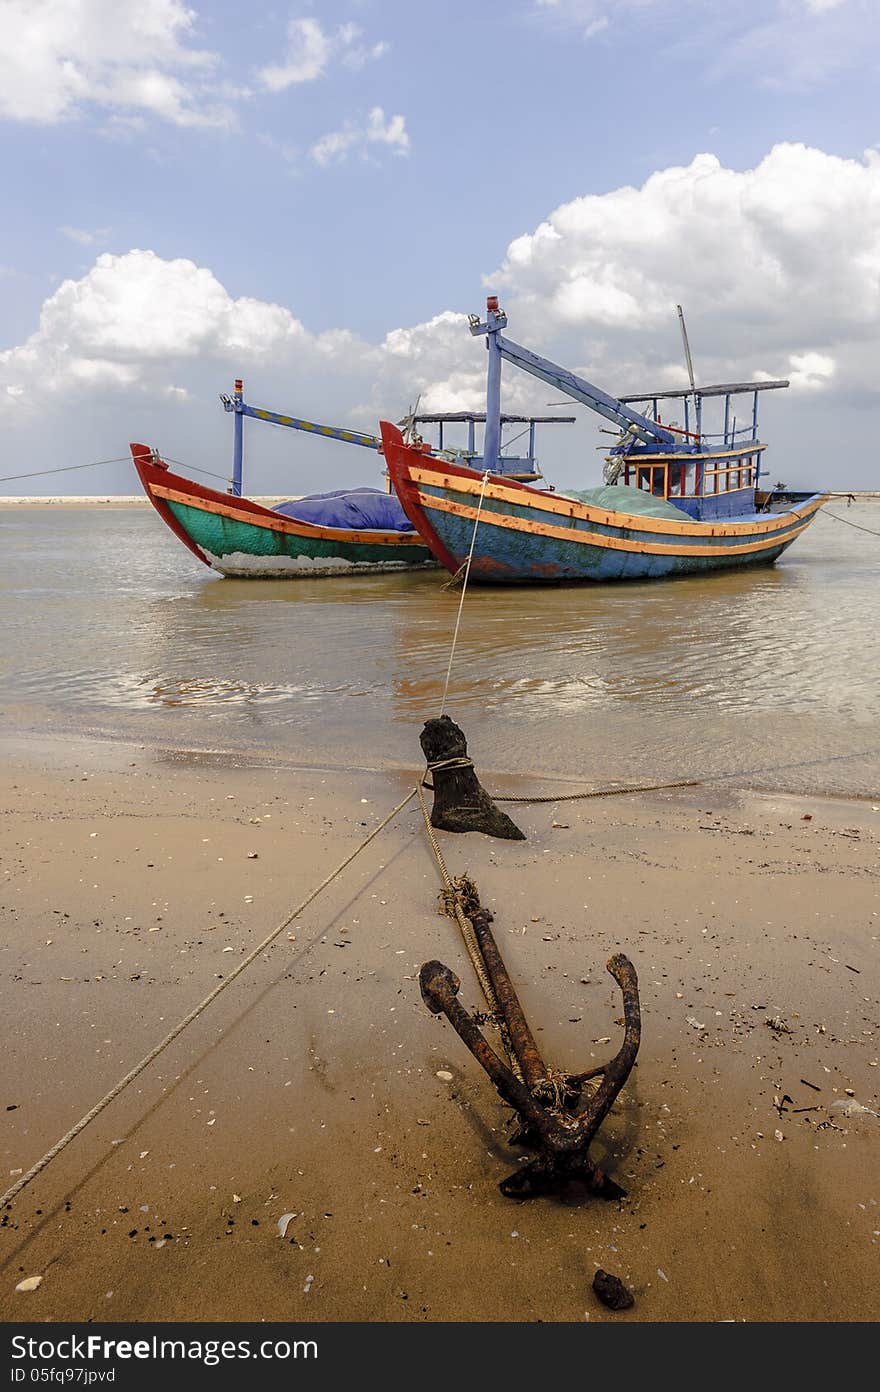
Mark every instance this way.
x=443 y=416
x=724 y=389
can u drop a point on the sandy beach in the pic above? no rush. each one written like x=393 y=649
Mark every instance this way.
x=134 y=880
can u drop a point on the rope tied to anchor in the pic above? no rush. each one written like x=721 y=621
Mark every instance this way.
x=464 y=583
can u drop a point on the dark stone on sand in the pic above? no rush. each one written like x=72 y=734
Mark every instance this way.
x=612 y=1292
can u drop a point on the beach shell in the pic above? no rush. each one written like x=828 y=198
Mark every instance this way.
x=29 y=1284
x=283 y=1222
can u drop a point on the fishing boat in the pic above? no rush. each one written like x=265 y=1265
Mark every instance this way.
x=676 y=501
x=343 y=532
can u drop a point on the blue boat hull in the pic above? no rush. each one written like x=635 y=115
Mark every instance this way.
x=531 y=535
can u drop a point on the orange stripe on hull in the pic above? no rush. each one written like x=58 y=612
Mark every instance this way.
x=655 y=548
x=567 y=507
x=276 y=523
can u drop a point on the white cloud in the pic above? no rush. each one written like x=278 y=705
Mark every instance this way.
x=811 y=371
x=357 y=56
x=310 y=48
x=58 y=57
x=777 y=267
x=336 y=146
x=778 y=260
x=84 y=236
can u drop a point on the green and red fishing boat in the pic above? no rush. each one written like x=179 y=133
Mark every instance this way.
x=343 y=532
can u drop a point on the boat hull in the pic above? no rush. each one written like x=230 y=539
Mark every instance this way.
x=238 y=537
x=528 y=535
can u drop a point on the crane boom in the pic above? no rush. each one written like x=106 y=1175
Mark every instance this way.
x=649 y=432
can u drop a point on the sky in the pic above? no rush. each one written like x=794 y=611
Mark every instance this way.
x=314 y=197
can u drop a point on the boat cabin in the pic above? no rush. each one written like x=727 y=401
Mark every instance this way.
x=706 y=474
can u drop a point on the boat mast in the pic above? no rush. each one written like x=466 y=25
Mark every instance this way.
x=239 y=407
x=496 y=320
x=238 y=439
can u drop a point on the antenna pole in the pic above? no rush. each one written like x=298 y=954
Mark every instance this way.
x=690 y=368
x=687 y=347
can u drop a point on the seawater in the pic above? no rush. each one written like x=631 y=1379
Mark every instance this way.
x=766 y=678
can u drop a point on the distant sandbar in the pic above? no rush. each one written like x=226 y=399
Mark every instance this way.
x=118 y=500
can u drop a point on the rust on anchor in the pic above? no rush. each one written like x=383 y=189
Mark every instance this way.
x=559 y=1115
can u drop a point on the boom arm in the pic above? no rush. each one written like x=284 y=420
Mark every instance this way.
x=331 y=432
x=562 y=380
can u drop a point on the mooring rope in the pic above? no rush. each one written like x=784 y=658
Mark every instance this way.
x=467 y=571
x=847 y=523
x=470 y=937
x=178 y=1029
x=604 y=792
x=66 y=469
x=462 y=761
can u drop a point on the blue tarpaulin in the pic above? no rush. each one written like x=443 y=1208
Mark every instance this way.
x=356 y=509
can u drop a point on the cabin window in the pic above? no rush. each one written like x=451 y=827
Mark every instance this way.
x=653 y=478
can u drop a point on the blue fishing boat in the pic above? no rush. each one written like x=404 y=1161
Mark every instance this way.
x=676 y=501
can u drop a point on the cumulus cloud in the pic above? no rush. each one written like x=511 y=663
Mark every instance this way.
x=778 y=268
x=59 y=57
x=310 y=49
x=778 y=260
x=135 y=310
x=149 y=325
x=336 y=146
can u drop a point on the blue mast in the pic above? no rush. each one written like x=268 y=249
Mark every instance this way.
x=496 y=320
x=238 y=442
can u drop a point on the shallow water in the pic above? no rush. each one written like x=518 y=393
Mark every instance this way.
x=768 y=678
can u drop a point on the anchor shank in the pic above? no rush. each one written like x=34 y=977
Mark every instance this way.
x=533 y=1067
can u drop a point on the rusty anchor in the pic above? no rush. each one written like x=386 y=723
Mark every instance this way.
x=559 y=1116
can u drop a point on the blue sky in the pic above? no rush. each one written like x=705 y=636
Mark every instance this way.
x=317 y=193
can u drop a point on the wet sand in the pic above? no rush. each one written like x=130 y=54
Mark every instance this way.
x=132 y=882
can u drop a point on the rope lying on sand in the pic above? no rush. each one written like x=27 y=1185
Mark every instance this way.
x=154 y=1053
x=464 y=924
x=454 y=899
